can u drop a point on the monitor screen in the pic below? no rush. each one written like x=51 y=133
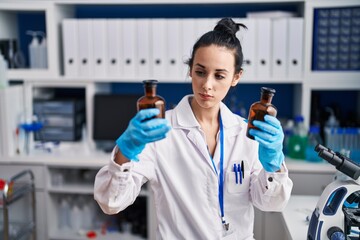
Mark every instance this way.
x=112 y=114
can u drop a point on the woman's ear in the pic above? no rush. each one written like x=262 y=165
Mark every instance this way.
x=236 y=78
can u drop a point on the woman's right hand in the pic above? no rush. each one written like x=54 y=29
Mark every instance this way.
x=142 y=129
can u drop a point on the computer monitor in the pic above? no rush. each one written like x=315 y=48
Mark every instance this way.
x=112 y=113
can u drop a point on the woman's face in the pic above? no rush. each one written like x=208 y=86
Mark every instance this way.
x=212 y=73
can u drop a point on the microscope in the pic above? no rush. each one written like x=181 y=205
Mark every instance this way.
x=337 y=213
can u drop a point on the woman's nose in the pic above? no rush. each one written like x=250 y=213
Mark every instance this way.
x=207 y=84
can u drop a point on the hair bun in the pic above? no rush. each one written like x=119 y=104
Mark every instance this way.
x=227 y=25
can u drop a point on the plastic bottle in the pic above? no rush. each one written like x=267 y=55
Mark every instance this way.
x=64 y=214
x=34 y=50
x=42 y=51
x=288 y=132
x=314 y=138
x=298 y=141
x=76 y=220
x=3 y=68
x=151 y=100
x=259 y=109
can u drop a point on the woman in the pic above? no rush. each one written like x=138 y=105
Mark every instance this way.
x=205 y=173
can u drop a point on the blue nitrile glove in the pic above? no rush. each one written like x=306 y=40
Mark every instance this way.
x=142 y=129
x=270 y=138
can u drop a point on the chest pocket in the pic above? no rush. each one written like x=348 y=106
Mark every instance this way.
x=238 y=177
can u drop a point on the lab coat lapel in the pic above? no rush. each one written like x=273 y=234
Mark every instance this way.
x=186 y=120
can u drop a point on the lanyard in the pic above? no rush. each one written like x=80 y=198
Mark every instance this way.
x=221 y=175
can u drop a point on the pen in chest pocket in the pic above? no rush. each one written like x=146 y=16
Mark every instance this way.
x=239 y=172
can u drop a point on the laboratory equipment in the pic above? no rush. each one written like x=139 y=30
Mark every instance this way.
x=337 y=213
x=259 y=109
x=18 y=189
x=151 y=100
x=298 y=140
x=313 y=139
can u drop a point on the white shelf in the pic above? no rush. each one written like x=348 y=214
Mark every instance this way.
x=126 y=2
x=71 y=235
x=81 y=189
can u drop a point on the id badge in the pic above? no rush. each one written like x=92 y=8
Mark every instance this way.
x=229 y=234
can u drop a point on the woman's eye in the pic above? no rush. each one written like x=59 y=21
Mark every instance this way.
x=200 y=73
x=219 y=77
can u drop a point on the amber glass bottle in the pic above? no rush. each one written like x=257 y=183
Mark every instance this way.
x=259 y=109
x=151 y=100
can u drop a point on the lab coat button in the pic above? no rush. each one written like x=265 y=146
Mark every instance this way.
x=270 y=179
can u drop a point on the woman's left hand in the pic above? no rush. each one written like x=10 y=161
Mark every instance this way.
x=270 y=138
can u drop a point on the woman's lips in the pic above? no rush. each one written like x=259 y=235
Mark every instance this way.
x=205 y=96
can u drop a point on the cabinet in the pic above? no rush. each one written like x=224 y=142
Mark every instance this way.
x=52 y=12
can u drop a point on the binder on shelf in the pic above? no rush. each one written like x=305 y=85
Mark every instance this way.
x=247 y=38
x=113 y=47
x=263 y=46
x=159 y=47
x=203 y=25
x=296 y=47
x=99 y=47
x=143 y=46
x=85 y=45
x=129 y=48
x=279 y=48
x=174 y=62
x=12 y=111
x=70 y=48
x=188 y=38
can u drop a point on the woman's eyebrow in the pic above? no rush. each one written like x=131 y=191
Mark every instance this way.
x=198 y=64
x=217 y=70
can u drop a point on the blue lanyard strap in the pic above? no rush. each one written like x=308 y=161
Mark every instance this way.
x=221 y=176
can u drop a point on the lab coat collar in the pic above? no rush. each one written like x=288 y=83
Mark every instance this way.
x=188 y=119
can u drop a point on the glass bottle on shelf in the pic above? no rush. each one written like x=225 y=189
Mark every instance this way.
x=298 y=141
x=259 y=109
x=313 y=139
x=151 y=100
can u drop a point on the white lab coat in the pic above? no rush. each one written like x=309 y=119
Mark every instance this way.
x=185 y=184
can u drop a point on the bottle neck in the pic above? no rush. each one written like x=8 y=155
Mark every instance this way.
x=266 y=98
x=150 y=91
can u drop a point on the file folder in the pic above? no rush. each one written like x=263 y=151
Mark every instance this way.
x=247 y=38
x=70 y=48
x=263 y=43
x=113 y=47
x=174 y=62
x=188 y=36
x=202 y=26
x=99 y=47
x=129 y=48
x=296 y=47
x=143 y=46
x=158 y=41
x=85 y=45
x=279 y=48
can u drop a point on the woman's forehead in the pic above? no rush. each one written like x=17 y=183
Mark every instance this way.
x=215 y=56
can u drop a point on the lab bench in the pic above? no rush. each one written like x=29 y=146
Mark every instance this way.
x=308 y=178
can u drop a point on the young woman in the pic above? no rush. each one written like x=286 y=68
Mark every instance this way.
x=206 y=175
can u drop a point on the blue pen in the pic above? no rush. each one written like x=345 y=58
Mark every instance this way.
x=240 y=173
x=236 y=175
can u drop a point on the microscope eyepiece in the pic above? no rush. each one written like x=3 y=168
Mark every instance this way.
x=319 y=147
x=342 y=163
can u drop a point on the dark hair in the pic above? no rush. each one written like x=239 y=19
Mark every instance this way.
x=223 y=35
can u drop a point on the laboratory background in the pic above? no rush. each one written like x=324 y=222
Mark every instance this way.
x=71 y=72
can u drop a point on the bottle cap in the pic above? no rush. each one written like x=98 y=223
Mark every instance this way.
x=268 y=90
x=314 y=129
x=299 y=118
x=151 y=82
